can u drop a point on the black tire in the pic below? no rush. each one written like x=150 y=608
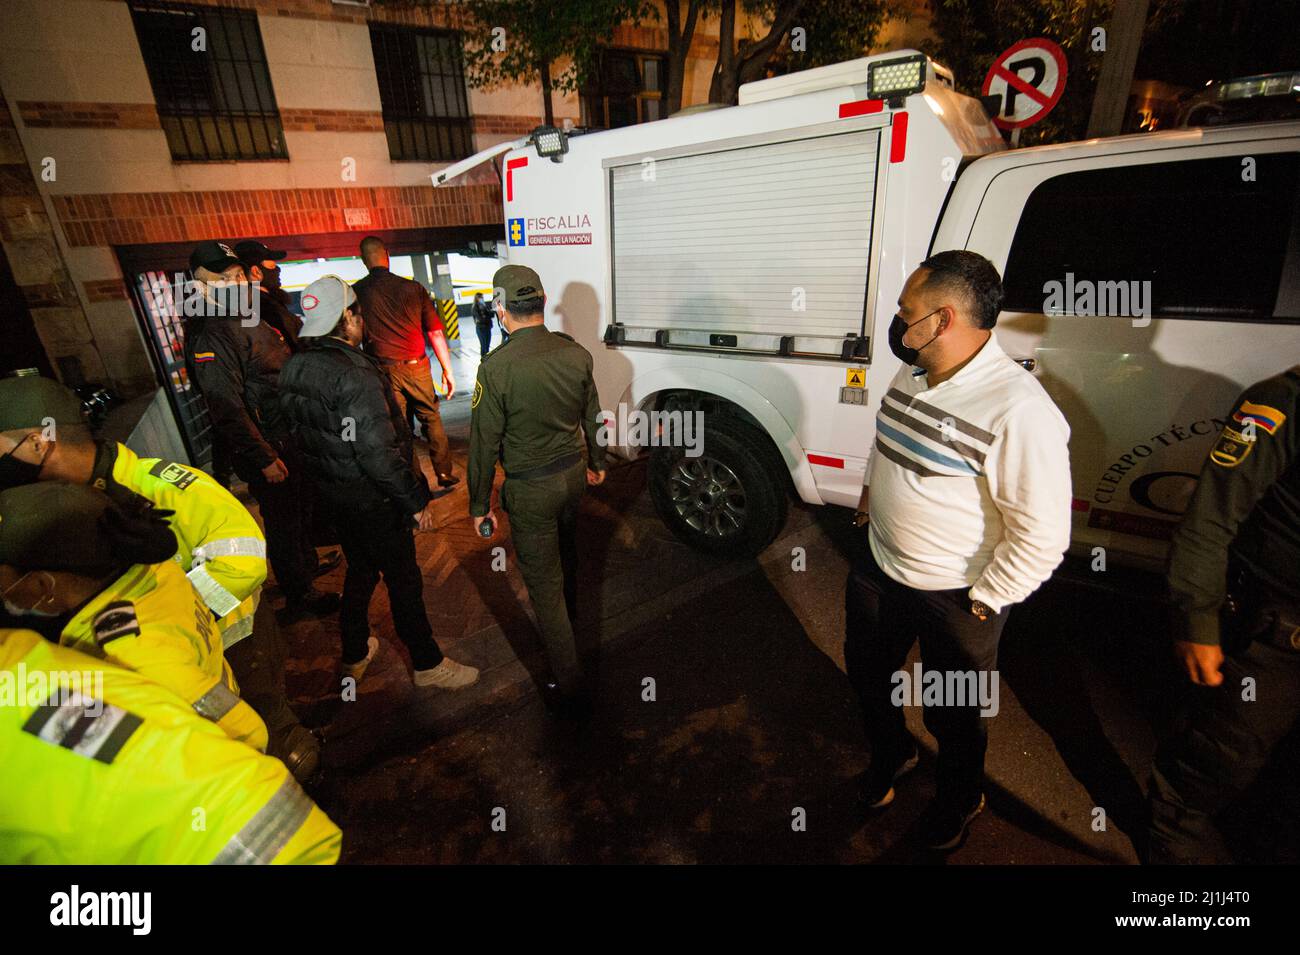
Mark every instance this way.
x=730 y=500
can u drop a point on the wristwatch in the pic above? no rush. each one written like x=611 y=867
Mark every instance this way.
x=980 y=609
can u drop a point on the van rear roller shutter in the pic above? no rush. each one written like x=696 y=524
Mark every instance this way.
x=722 y=241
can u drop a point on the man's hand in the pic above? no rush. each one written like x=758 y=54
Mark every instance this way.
x=424 y=518
x=448 y=382
x=478 y=521
x=1201 y=661
x=595 y=477
x=275 y=472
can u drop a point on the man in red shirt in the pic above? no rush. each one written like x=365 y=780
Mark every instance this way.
x=400 y=317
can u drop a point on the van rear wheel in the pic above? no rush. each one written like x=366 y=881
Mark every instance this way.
x=729 y=500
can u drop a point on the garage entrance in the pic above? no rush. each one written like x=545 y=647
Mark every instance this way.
x=450 y=263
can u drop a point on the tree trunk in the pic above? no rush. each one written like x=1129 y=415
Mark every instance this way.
x=679 y=48
x=548 y=111
x=725 y=70
x=735 y=68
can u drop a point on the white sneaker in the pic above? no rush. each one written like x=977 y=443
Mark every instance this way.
x=357 y=670
x=447 y=675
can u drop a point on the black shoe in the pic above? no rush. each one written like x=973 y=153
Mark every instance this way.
x=944 y=828
x=447 y=480
x=876 y=785
x=574 y=705
x=301 y=753
x=327 y=563
x=314 y=603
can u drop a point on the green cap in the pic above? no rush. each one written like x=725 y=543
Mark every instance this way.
x=516 y=284
x=50 y=525
x=53 y=525
x=27 y=401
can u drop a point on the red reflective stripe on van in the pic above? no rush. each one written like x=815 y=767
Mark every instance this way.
x=861 y=108
x=1079 y=504
x=898 y=142
x=511 y=166
x=825 y=461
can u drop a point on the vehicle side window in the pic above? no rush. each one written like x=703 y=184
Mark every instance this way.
x=1213 y=242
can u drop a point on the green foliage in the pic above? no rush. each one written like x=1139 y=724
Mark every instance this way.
x=539 y=32
x=834 y=32
x=971 y=33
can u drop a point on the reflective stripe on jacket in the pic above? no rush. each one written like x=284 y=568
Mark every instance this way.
x=152 y=621
x=103 y=765
x=219 y=543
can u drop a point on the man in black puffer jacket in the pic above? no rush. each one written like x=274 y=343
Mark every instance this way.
x=358 y=448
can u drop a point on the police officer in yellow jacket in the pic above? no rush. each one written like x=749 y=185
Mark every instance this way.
x=103 y=765
x=220 y=545
x=97 y=576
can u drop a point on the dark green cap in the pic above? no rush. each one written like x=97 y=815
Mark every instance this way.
x=28 y=400
x=517 y=284
x=53 y=525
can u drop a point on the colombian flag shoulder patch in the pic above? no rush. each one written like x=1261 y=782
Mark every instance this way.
x=205 y=356
x=1262 y=417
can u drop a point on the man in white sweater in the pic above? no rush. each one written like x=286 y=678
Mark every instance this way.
x=968 y=513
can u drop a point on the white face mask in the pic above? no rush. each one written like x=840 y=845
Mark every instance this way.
x=14 y=610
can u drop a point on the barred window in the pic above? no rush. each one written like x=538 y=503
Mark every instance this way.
x=422 y=89
x=210 y=81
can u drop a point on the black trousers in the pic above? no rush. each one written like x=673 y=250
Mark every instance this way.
x=378 y=542
x=1226 y=741
x=286 y=510
x=413 y=388
x=883 y=619
x=484 y=339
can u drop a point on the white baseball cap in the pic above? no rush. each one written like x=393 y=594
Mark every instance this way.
x=323 y=302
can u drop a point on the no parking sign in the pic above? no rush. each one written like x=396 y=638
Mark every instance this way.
x=1030 y=78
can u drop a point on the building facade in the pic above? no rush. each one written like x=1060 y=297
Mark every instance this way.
x=132 y=129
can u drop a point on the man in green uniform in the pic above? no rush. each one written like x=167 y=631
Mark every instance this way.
x=1234 y=574
x=535 y=406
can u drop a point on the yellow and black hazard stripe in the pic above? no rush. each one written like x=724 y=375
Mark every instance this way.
x=450 y=318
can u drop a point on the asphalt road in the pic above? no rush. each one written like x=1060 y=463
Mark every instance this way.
x=746 y=748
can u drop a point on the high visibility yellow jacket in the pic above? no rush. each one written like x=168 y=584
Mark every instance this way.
x=220 y=546
x=102 y=765
x=152 y=621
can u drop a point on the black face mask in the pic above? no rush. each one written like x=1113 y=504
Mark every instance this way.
x=271 y=279
x=15 y=472
x=897 y=329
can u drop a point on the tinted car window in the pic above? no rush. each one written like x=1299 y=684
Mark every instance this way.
x=1212 y=241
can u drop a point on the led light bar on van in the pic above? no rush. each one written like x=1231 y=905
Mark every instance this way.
x=900 y=77
x=1274 y=84
x=550 y=142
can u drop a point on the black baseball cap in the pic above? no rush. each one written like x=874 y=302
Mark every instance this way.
x=212 y=255
x=252 y=252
